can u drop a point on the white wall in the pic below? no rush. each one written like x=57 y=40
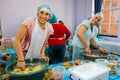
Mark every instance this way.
x=11 y=16
x=83 y=10
x=14 y=12
x=0 y=25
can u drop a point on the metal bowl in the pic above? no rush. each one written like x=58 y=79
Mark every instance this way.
x=95 y=54
x=38 y=75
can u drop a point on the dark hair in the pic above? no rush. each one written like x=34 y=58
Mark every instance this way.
x=61 y=22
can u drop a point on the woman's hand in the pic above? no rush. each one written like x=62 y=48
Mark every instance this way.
x=88 y=51
x=101 y=49
x=21 y=64
x=45 y=57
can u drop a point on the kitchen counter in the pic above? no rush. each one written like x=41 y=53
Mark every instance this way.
x=110 y=46
x=67 y=74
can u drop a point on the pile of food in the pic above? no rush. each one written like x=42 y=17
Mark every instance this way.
x=68 y=64
x=27 y=70
x=48 y=75
x=96 y=54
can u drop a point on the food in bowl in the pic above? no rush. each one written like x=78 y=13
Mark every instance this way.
x=29 y=69
x=95 y=54
x=31 y=62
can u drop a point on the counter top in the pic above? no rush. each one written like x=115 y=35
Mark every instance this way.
x=70 y=64
x=67 y=74
x=110 y=46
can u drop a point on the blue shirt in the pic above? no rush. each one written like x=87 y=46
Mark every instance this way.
x=88 y=34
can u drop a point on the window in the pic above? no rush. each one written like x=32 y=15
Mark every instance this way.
x=110 y=24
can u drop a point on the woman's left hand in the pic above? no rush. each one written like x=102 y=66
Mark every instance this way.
x=101 y=49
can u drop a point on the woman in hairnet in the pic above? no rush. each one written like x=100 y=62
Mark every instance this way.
x=30 y=41
x=83 y=36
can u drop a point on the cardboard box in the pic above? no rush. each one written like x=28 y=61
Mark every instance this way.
x=90 y=71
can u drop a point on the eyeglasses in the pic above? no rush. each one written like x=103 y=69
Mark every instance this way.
x=98 y=19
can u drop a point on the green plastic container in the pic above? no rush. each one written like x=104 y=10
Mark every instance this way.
x=38 y=75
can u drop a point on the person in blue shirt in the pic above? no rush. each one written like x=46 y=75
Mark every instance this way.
x=83 y=36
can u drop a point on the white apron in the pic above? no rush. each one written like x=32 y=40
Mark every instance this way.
x=37 y=41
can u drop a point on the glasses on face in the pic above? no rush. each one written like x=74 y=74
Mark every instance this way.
x=97 y=18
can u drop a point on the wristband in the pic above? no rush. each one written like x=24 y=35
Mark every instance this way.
x=97 y=47
x=42 y=55
x=20 y=60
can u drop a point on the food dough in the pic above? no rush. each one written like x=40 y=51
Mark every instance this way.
x=27 y=70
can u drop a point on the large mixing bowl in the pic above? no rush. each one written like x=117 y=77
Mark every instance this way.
x=38 y=75
x=95 y=54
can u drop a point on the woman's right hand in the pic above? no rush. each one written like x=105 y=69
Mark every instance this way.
x=21 y=65
x=88 y=51
x=45 y=58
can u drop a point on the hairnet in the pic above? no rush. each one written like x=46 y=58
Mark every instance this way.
x=98 y=14
x=53 y=19
x=44 y=7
